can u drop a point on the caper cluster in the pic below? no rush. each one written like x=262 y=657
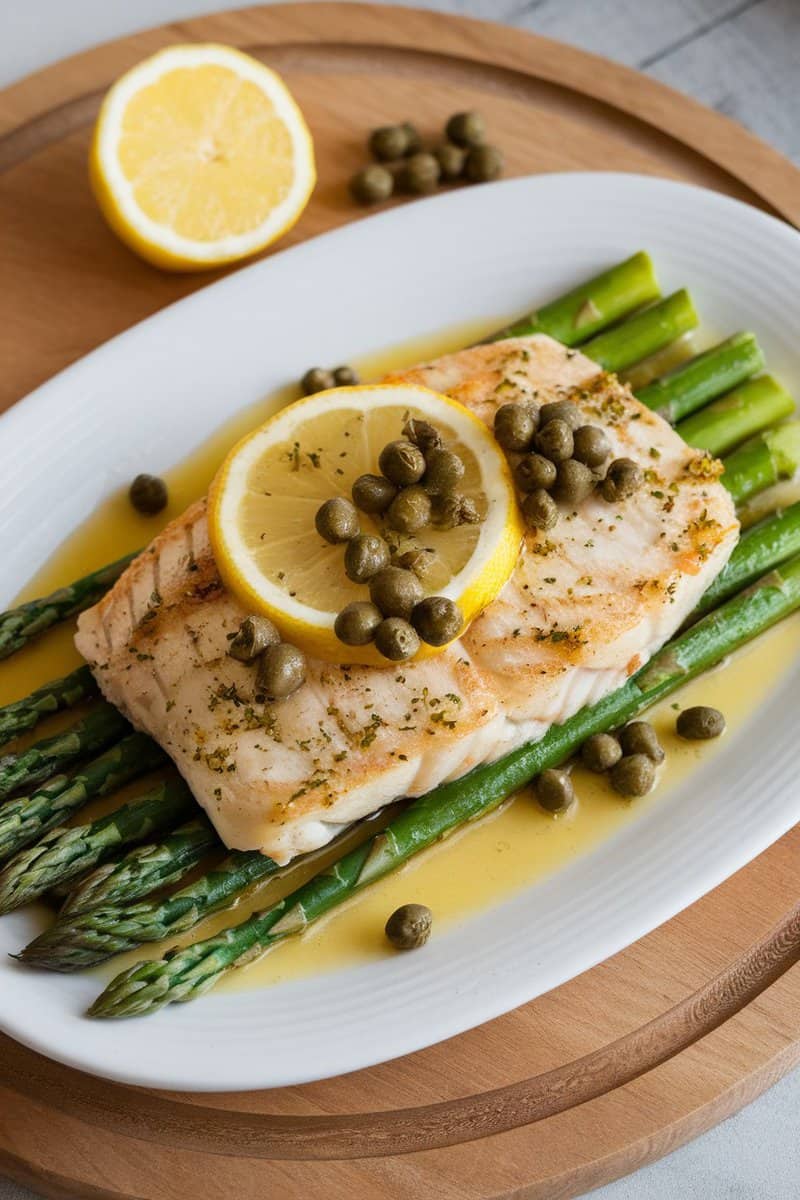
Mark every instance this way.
x=403 y=165
x=417 y=486
x=320 y=379
x=280 y=667
x=629 y=757
x=557 y=458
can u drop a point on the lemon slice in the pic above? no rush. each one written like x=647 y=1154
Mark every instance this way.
x=265 y=496
x=200 y=156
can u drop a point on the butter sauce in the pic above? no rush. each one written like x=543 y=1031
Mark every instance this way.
x=477 y=867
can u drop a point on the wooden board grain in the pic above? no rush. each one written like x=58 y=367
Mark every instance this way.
x=614 y=1068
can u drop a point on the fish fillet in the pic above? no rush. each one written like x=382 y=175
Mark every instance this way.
x=588 y=603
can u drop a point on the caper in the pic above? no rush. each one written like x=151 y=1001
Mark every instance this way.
x=590 y=445
x=452 y=510
x=484 y=163
x=148 y=494
x=600 y=752
x=345 y=376
x=388 y=143
x=371 y=185
x=561 y=410
x=355 y=625
x=253 y=637
x=373 y=493
x=364 y=556
x=534 y=472
x=402 y=462
x=317 y=379
x=281 y=671
x=451 y=160
x=410 y=510
x=623 y=478
x=554 y=441
x=414 y=141
x=700 y=723
x=409 y=926
x=437 y=620
x=639 y=737
x=419 y=174
x=337 y=520
x=395 y=592
x=418 y=560
x=444 y=471
x=574 y=482
x=422 y=434
x=540 y=509
x=396 y=640
x=466 y=129
x=515 y=425
x=554 y=790
x=633 y=775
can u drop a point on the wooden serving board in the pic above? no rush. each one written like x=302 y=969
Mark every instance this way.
x=616 y=1067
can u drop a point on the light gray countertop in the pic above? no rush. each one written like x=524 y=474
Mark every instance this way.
x=739 y=56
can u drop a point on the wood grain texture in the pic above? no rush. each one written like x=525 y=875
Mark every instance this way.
x=614 y=1068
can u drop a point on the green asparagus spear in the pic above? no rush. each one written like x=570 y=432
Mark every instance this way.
x=143 y=869
x=19 y=625
x=24 y=819
x=762 y=461
x=189 y=972
x=97 y=729
x=759 y=549
x=741 y=413
x=23 y=715
x=593 y=305
x=83 y=939
x=703 y=378
x=64 y=853
x=643 y=334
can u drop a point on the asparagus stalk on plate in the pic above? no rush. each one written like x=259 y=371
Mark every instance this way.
x=641 y=335
x=694 y=383
x=189 y=972
x=762 y=461
x=64 y=853
x=143 y=870
x=591 y=306
x=23 y=715
x=759 y=549
x=97 y=729
x=737 y=415
x=83 y=939
x=24 y=819
x=19 y=625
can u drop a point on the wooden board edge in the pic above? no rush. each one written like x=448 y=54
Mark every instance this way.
x=566 y=1177
x=710 y=134
x=168 y=1118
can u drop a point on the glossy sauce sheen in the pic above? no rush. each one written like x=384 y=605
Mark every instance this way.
x=480 y=866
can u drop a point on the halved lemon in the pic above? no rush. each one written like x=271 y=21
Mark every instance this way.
x=200 y=156
x=265 y=496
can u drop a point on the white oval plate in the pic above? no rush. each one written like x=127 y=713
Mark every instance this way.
x=160 y=389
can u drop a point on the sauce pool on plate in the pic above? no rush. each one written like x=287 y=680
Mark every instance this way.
x=483 y=864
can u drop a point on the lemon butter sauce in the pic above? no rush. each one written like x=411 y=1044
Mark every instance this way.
x=483 y=864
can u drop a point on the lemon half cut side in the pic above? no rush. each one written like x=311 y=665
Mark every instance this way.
x=200 y=156
x=266 y=494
